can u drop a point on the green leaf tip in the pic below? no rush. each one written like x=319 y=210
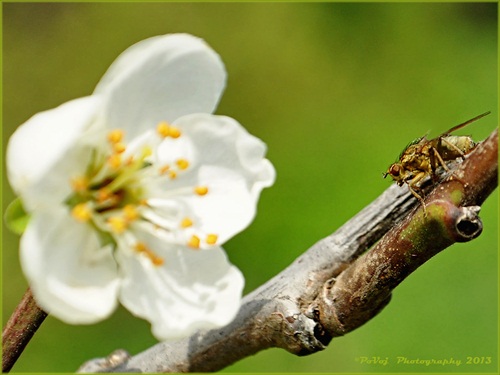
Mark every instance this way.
x=16 y=218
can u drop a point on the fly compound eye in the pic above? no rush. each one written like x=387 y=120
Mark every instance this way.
x=395 y=170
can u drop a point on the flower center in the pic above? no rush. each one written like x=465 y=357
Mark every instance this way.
x=113 y=192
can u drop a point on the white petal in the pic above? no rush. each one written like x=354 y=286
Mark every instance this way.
x=71 y=276
x=190 y=291
x=42 y=154
x=161 y=79
x=163 y=217
x=225 y=158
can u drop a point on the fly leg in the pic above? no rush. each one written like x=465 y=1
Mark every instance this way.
x=412 y=185
x=435 y=153
x=437 y=160
x=440 y=159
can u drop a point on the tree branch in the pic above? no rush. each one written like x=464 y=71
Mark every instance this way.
x=332 y=288
x=365 y=287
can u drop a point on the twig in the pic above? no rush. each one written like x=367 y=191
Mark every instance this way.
x=19 y=330
x=324 y=293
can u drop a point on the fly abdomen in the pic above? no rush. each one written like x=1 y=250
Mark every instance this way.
x=454 y=146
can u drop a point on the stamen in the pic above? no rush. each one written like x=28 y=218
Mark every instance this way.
x=172 y=175
x=115 y=136
x=81 y=212
x=126 y=174
x=146 y=151
x=115 y=161
x=129 y=161
x=186 y=222
x=103 y=195
x=157 y=261
x=143 y=249
x=117 y=224
x=119 y=147
x=164 y=129
x=106 y=200
x=182 y=164
x=80 y=184
x=130 y=213
x=201 y=190
x=194 y=242
x=211 y=239
x=174 y=132
x=164 y=169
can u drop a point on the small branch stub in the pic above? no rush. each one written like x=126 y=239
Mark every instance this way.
x=468 y=224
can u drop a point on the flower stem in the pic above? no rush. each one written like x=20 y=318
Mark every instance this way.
x=20 y=328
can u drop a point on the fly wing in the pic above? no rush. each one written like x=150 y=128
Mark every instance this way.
x=459 y=126
x=416 y=141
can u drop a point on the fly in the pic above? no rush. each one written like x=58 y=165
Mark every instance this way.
x=422 y=157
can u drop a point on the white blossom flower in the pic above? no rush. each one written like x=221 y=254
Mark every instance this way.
x=132 y=190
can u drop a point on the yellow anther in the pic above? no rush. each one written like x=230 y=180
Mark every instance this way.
x=106 y=198
x=194 y=242
x=119 y=147
x=118 y=224
x=157 y=261
x=130 y=213
x=201 y=190
x=164 y=169
x=115 y=161
x=163 y=129
x=103 y=195
x=81 y=212
x=174 y=132
x=115 y=136
x=211 y=239
x=143 y=249
x=129 y=160
x=80 y=184
x=182 y=164
x=172 y=175
x=186 y=222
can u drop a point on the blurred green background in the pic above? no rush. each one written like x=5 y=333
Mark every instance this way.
x=336 y=91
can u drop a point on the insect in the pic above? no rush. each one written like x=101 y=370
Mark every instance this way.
x=422 y=157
